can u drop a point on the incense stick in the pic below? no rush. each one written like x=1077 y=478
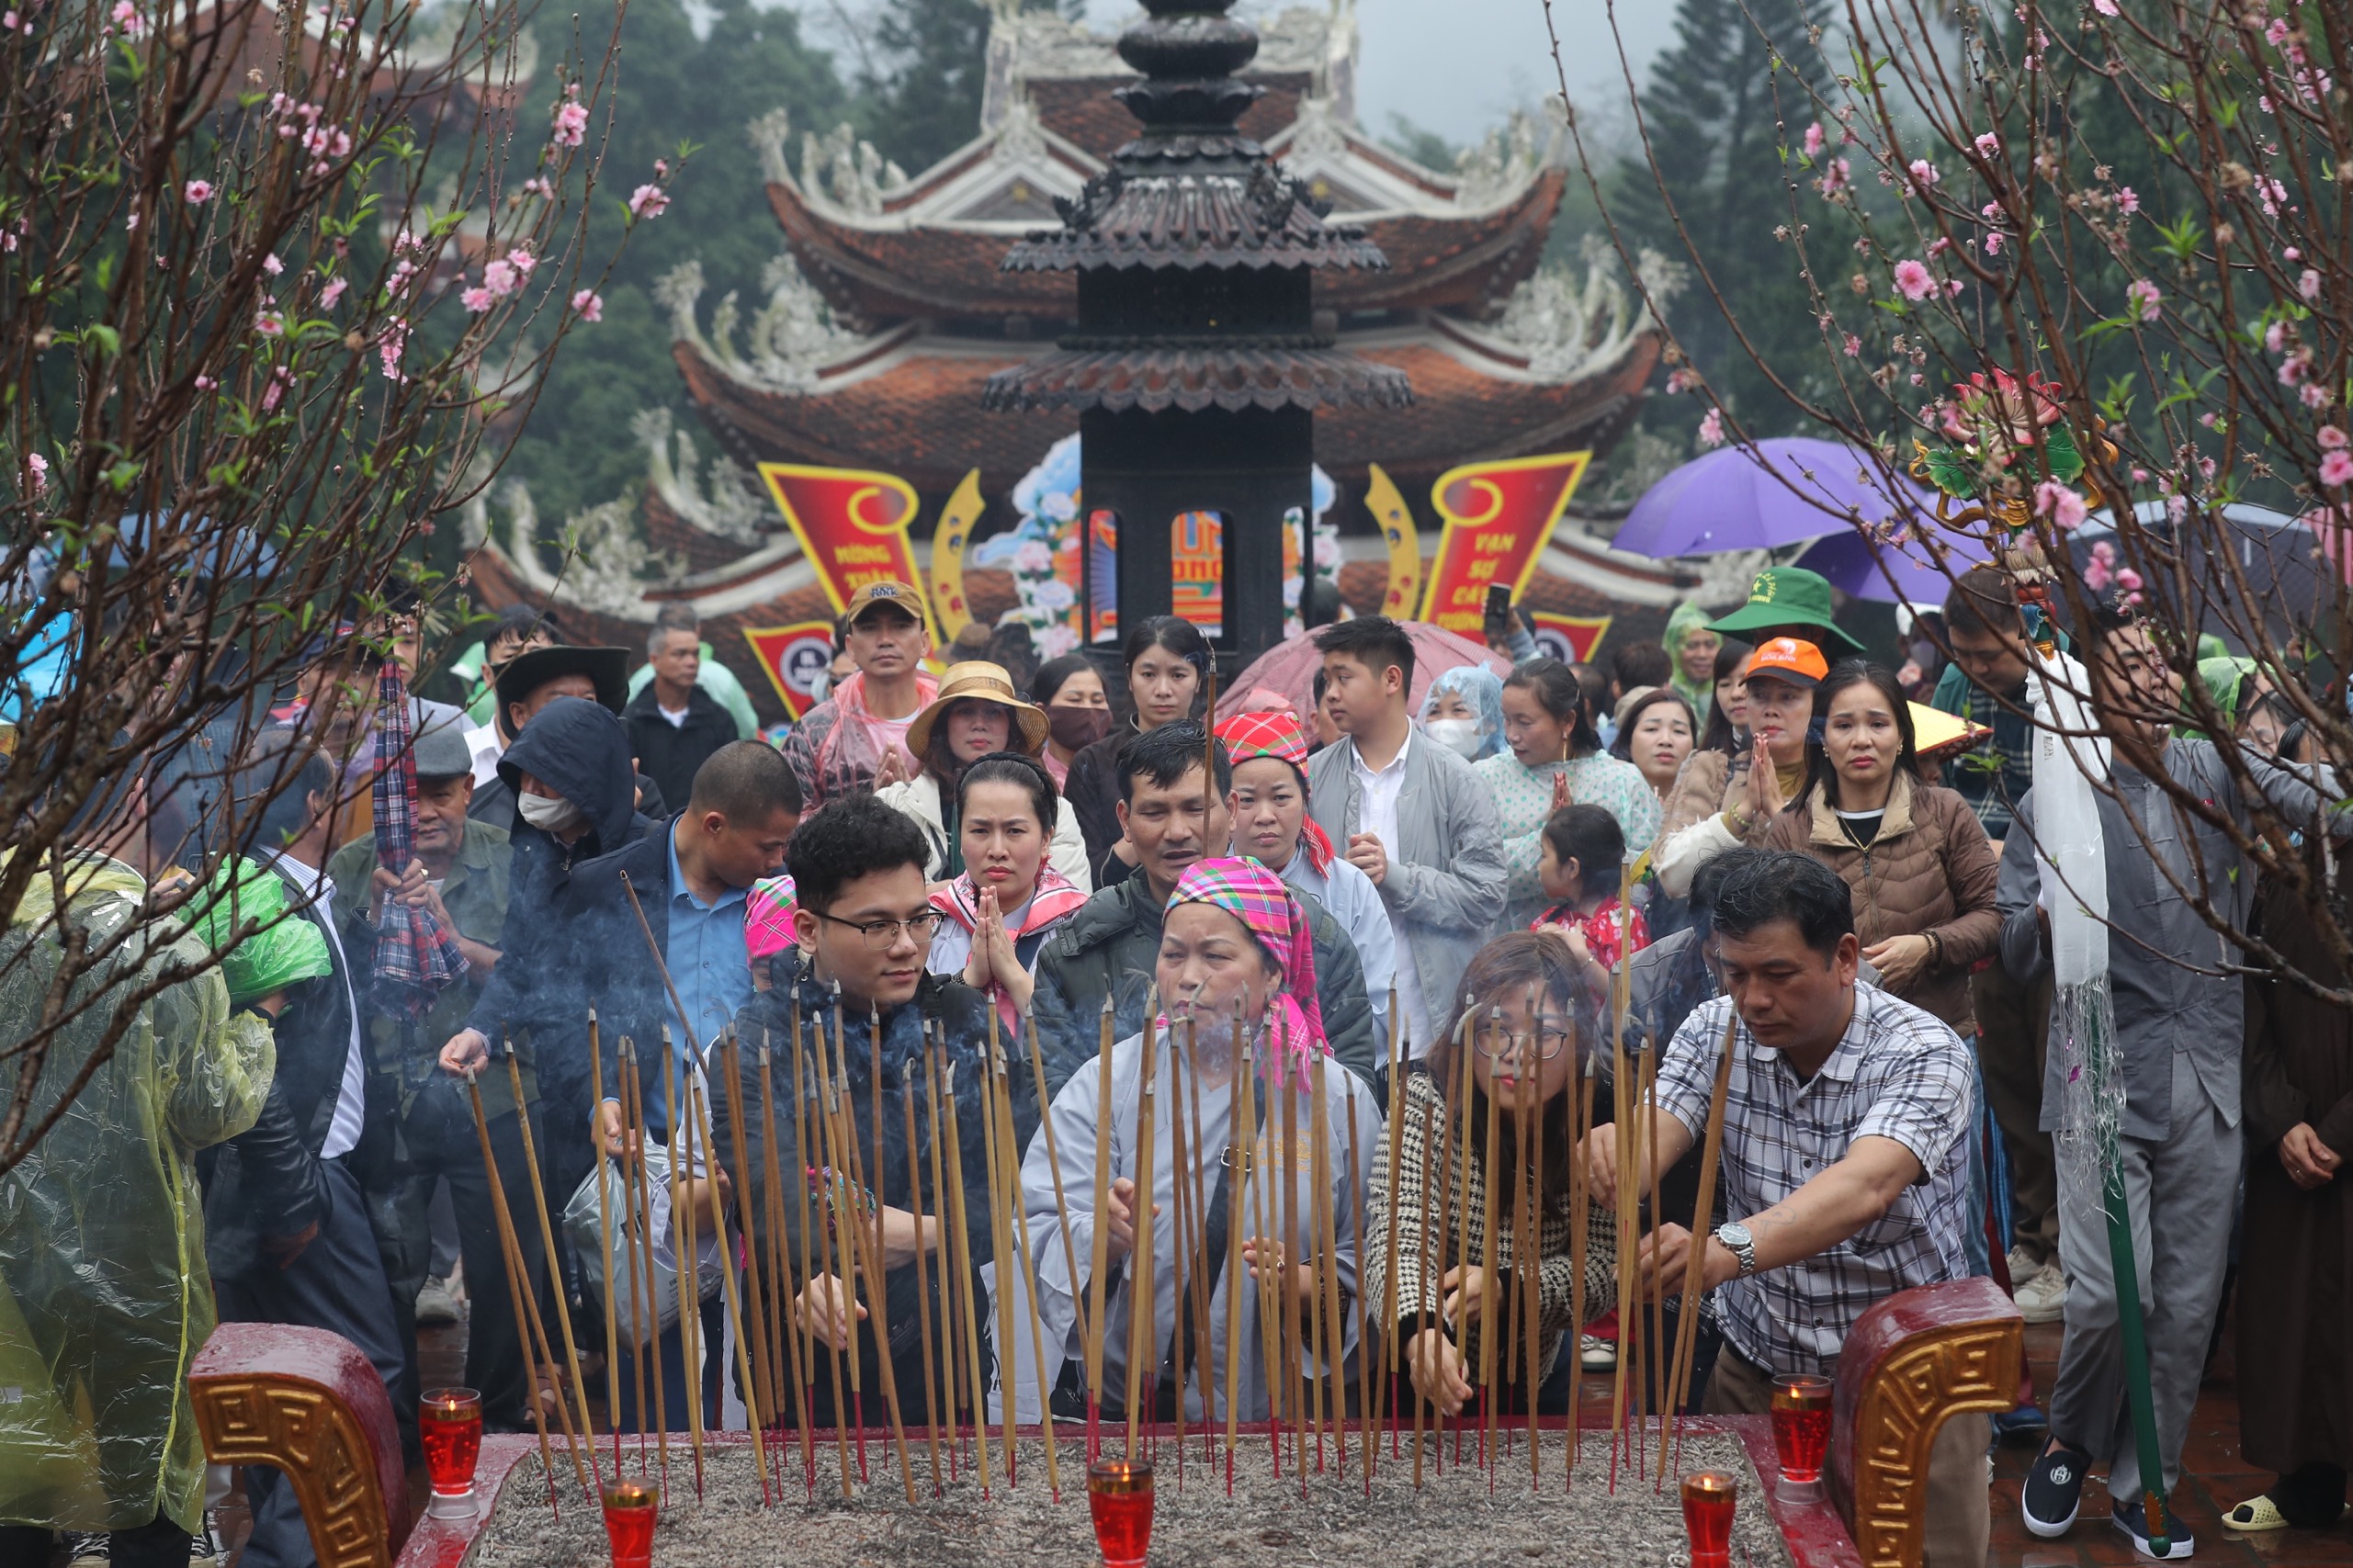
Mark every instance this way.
x=686 y=1243
x=779 y=1268
x=1687 y=1325
x=1580 y=1235
x=839 y=1290
x=923 y=1286
x=727 y=1279
x=604 y=1237
x=1240 y=1123
x=1180 y=1206
x=1101 y=1261
x=1142 y=1310
x=842 y=1125
x=1531 y=1262
x=1399 y=1077
x=1432 y=1273
x=949 y=1381
x=761 y=1398
x=963 y=1260
x=646 y=1331
x=1332 y=1366
x=511 y=1252
x=1207 y=1276
x=877 y=1284
x=1011 y=1154
x=1365 y=1401
x=547 y=1245
x=1490 y=1247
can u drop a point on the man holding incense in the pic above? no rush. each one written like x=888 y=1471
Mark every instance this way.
x=1110 y=947
x=1247 y=1256
x=1844 y=1159
x=855 y=984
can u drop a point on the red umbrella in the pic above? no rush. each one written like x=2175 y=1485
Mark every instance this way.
x=1289 y=668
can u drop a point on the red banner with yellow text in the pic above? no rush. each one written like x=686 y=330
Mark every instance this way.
x=1499 y=516
x=852 y=525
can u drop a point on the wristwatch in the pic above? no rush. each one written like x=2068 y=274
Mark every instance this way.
x=1737 y=1241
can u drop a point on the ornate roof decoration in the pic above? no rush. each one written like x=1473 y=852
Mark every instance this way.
x=723 y=499
x=1227 y=375
x=791 y=337
x=1565 y=329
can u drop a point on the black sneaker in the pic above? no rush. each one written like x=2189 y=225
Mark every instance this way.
x=2133 y=1520
x=2055 y=1491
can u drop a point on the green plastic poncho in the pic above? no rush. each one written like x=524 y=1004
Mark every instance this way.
x=1689 y=616
x=105 y=1294
x=280 y=948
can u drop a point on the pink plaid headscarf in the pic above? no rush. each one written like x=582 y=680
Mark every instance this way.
x=768 y=918
x=1264 y=902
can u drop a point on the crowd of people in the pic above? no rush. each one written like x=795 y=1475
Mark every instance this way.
x=1424 y=885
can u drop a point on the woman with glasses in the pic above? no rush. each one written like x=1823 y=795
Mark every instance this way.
x=1000 y=909
x=1527 y=1012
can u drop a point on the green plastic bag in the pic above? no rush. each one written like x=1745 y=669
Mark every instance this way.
x=284 y=949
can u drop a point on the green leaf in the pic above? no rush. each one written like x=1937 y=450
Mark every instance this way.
x=109 y=341
x=2066 y=458
x=1951 y=472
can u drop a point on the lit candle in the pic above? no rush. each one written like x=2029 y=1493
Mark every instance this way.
x=1801 y=1432
x=631 y=1507
x=449 y=1426
x=1709 y=1496
x=1119 y=1496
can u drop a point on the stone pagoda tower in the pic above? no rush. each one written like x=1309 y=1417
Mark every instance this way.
x=1197 y=366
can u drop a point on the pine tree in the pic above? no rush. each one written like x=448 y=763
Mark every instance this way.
x=922 y=81
x=1715 y=110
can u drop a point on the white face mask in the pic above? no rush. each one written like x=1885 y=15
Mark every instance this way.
x=1460 y=735
x=548 y=814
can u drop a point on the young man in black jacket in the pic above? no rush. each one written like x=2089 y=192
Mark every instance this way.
x=864 y=923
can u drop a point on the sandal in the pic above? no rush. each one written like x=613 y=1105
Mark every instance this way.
x=2256 y=1514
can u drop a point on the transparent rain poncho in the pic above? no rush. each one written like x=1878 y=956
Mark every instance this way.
x=105 y=1295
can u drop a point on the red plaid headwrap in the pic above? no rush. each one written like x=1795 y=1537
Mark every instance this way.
x=1280 y=735
x=1264 y=903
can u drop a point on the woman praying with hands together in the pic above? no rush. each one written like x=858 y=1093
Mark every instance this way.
x=1001 y=907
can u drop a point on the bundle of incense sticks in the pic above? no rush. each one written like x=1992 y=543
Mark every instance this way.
x=1479 y=1234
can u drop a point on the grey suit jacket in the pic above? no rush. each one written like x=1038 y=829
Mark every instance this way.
x=1444 y=887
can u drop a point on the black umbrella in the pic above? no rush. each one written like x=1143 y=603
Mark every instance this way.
x=2275 y=555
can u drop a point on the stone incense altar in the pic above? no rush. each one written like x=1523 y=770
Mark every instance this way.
x=1461 y=1515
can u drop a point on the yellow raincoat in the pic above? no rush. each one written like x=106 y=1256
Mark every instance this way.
x=105 y=1297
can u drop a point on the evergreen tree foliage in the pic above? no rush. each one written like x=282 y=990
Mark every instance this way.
x=675 y=88
x=1715 y=112
x=921 y=86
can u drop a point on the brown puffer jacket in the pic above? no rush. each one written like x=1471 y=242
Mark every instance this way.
x=1930 y=872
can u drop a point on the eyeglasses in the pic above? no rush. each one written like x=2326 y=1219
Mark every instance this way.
x=883 y=935
x=1493 y=1039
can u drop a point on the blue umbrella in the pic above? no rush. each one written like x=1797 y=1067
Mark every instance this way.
x=1854 y=565
x=1729 y=501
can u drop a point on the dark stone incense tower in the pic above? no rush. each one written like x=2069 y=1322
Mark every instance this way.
x=1196 y=367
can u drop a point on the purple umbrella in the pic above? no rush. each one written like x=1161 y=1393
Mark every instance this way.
x=1729 y=501
x=1855 y=564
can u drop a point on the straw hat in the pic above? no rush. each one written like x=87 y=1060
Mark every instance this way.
x=982 y=681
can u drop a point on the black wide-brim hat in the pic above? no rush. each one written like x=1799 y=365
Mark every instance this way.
x=526 y=672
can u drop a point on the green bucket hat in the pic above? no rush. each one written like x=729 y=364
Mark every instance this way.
x=1784 y=598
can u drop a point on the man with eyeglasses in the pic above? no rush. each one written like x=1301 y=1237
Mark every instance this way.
x=856 y=983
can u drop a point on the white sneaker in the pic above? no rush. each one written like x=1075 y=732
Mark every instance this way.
x=2023 y=1265
x=435 y=1304
x=2044 y=1297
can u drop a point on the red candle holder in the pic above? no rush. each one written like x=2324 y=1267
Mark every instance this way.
x=1801 y=1432
x=1119 y=1496
x=449 y=1426
x=631 y=1507
x=1709 y=1496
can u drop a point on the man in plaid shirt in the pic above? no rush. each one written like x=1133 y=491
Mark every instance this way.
x=1845 y=1163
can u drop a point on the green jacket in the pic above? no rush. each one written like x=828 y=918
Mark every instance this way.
x=1111 y=947
x=105 y=1293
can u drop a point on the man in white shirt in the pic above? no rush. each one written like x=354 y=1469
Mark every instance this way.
x=303 y=1250
x=1414 y=818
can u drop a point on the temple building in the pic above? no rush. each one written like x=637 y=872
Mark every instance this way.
x=888 y=310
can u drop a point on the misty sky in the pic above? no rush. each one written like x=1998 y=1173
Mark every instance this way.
x=1453 y=66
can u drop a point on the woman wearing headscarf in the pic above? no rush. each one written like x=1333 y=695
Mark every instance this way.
x=1235 y=950
x=1464 y=711
x=1693 y=647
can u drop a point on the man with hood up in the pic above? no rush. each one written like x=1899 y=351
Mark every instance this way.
x=574 y=792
